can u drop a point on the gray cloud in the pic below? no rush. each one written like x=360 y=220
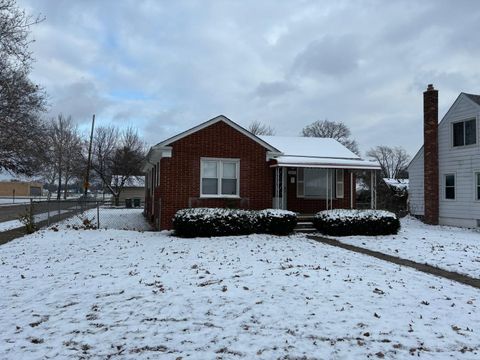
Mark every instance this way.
x=274 y=88
x=166 y=66
x=328 y=56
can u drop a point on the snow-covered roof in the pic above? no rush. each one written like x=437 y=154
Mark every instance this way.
x=132 y=181
x=400 y=184
x=316 y=152
x=309 y=146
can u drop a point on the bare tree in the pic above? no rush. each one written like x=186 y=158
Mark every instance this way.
x=117 y=158
x=257 y=128
x=105 y=142
x=335 y=130
x=393 y=160
x=21 y=101
x=64 y=151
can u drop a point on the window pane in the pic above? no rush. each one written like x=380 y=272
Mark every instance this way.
x=229 y=170
x=229 y=187
x=209 y=169
x=449 y=193
x=449 y=180
x=315 y=182
x=209 y=186
x=478 y=192
x=339 y=183
x=478 y=179
x=458 y=134
x=470 y=132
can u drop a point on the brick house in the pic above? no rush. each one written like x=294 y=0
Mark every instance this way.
x=445 y=173
x=220 y=164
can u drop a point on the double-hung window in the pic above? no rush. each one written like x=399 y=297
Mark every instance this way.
x=450 y=186
x=464 y=132
x=319 y=183
x=477 y=185
x=219 y=177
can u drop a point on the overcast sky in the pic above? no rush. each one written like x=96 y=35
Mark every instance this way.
x=164 y=66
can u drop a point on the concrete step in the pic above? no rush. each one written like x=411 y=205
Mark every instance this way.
x=305 y=230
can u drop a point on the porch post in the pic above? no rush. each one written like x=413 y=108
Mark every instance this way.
x=351 y=189
x=326 y=200
x=373 y=189
x=277 y=184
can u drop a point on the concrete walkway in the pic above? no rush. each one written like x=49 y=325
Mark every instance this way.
x=429 y=269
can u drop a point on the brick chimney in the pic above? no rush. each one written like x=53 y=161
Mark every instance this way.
x=430 y=154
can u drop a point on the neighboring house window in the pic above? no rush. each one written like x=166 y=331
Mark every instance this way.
x=465 y=133
x=313 y=183
x=477 y=183
x=450 y=186
x=219 y=177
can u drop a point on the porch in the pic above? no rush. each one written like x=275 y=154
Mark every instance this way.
x=309 y=189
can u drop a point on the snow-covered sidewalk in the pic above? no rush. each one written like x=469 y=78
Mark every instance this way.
x=124 y=294
x=449 y=248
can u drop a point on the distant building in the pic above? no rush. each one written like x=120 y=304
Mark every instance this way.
x=20 y=188
x=134 y=188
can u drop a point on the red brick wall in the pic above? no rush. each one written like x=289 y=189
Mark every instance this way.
x=311 y=206
x=430 y=153
x=180 y=175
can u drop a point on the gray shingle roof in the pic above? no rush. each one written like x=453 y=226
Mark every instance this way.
x=474 y=97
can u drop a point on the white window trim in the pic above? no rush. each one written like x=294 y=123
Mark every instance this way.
x=219 y=177
x=475 y=185
x=445 y=186
x=464 y=135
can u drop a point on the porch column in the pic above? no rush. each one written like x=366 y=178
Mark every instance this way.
x=277 y=187
x=351 y=189
x=373 y=189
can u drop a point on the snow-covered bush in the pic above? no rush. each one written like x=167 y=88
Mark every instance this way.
x=275 y=221
x=342 y=222
x=205 y=222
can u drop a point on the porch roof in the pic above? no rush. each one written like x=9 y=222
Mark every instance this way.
x=319 y=162
x=296 y=151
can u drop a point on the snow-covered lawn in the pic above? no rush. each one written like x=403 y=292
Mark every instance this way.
x=450 y=248
x=121 y=294
x=111 y=218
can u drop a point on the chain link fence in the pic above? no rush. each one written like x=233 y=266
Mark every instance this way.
x=88 y=214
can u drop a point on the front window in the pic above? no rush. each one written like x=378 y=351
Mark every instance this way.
x=319 y=183
x=465 y=133
x=477 y=183
x=450 y=186
x=219 y=177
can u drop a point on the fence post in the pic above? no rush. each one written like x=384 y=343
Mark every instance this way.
x=48 y=212
x=98 y=215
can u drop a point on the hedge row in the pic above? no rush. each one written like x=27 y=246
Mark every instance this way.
x=206 y=222
x=356 y=222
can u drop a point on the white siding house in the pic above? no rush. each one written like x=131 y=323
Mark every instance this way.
x=458 y=166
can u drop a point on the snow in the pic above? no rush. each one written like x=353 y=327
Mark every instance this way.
x=111 y=218
x=14 y=224
x=8 y=201
x=120 y=294
x=132 y=181
x=309 y=146
x=449 y=248
x=297 y=161
x=350 y=214
x=401 y=184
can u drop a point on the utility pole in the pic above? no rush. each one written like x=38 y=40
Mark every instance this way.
x=86 y=185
